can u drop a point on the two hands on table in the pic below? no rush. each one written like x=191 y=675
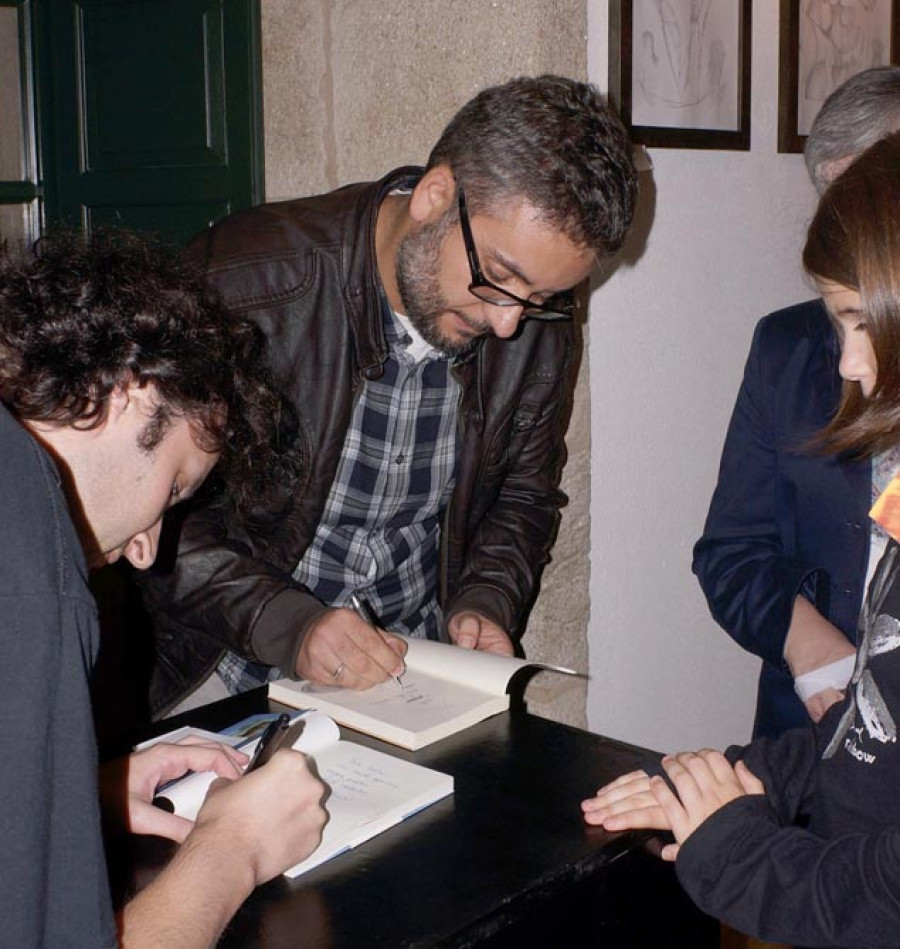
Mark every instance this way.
x=342 y=648
x=703 y=781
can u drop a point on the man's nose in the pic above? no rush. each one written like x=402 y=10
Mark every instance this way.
x=504 y=320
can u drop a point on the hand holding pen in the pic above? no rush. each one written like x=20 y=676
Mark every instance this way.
x=270 y=741
x=346 y=647
x=364 y=612
x=185 y=794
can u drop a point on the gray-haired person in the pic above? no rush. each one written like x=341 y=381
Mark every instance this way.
x=787 y=549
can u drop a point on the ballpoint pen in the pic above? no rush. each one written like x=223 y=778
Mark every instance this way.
x=270 y=742
x=364 y=612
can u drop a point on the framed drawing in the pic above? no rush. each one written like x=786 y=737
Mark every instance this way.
x=819 y=49
x=679 y=72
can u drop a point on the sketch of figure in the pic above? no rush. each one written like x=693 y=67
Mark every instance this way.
x=838 y=38
x=685 y=55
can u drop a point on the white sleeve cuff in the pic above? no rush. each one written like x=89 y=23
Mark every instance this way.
x=835 y=675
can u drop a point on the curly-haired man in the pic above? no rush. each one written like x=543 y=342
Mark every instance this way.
x=123 y=383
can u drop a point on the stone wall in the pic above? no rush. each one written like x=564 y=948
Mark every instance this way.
x=352 y=89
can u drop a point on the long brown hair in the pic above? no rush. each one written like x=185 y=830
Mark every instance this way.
x=854 y=240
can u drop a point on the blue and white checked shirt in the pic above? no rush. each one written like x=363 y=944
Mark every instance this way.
x=379 y=531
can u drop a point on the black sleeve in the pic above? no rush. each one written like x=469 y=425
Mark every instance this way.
x=785 y=884
x=787 y=768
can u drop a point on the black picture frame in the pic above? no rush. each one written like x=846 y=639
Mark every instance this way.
x=624 y=78
x=791 y=125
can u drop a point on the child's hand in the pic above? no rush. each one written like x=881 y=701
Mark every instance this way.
x=705 y=781
x=626 y=804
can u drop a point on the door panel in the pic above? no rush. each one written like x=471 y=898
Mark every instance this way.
x=138 y=127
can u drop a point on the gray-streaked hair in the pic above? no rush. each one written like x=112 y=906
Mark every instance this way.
x=857 y=114
x=553 y=141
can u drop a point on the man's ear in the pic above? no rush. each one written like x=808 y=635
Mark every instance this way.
x=129 y=396
x=433 y=195
x=119 y=400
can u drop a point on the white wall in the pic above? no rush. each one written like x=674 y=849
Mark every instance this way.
x=668 y=339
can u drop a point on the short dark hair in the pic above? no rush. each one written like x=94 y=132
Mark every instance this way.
x=555 y=142
x=860 y=111
x=82 y=316
x=854 y=241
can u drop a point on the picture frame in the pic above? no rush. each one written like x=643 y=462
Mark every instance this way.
x=682 y=80
x=816 y=53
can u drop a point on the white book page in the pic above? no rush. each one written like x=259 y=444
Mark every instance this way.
x=419 y=703
x=369 y=792
x=478 y=670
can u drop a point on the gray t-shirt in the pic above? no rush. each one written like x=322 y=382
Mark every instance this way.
x=54 y=890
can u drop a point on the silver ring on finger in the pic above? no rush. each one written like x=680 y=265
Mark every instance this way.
x=337 y=672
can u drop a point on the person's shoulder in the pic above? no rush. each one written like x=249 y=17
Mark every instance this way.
x=38 y=533
x=807 y=321
x=22 y=468
x=286 y=229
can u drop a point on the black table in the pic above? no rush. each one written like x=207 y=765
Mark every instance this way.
x=506 y=861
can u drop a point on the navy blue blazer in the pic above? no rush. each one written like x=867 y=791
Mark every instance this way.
x=783 y=519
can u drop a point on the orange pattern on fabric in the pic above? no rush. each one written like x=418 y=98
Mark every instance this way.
x=886 y=510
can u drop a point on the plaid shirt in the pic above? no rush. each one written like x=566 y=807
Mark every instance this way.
x=379 y=532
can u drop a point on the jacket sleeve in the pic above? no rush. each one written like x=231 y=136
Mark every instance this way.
x=787 y=768
x=233 y=593
x=515 y=516
x=785 y=884
x=750 y=582
x=230 y=587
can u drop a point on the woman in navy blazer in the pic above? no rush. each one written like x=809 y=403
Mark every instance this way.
x=785 y=521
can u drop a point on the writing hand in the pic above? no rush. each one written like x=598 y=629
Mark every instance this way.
x=704 y=782
x=127 y=784
x=474 y=631
x=271 y=819
x=626 y=804
x=343 y=649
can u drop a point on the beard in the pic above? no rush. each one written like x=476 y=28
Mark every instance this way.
x=418 y=266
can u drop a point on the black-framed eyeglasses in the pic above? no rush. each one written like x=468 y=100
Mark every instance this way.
x=560 y=306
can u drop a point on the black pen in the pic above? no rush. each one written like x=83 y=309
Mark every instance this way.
x=364 y=612
x=270 y=742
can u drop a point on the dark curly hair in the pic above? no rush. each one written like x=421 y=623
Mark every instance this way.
x=82 y=316
x=555 y=142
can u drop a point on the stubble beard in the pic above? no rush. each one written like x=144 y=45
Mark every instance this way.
x=418 y=265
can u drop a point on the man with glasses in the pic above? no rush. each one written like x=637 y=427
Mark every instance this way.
x=423 y=327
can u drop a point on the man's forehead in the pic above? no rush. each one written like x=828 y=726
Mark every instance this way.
x=520 y=216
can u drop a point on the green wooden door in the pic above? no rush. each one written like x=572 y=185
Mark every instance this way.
x=149 y=111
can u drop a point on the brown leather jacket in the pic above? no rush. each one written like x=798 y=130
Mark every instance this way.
x=305 y=271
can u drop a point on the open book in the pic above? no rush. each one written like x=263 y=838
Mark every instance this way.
x=444 y=690
x=369 y=791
